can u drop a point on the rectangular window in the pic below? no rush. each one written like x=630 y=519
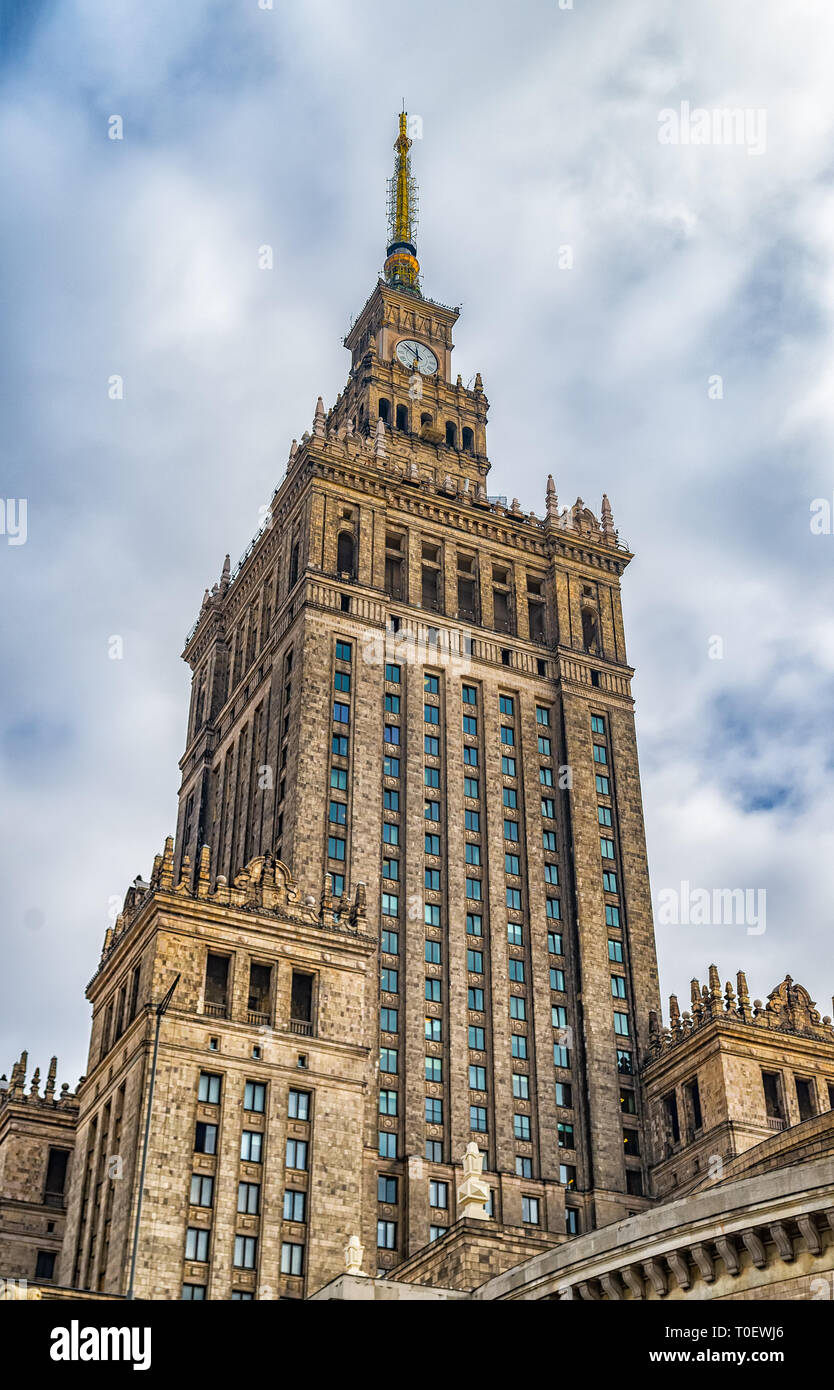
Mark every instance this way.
x=602 y=785
x=433 y=1030
x=343 y=651
x=513 y=899
x=530 y=1211
x=431 y=776
x=297 y=1154
x=439 y=1195
x=335 y=847
x=518 y=1006
x=254 y=1096
x=564 y=1133
x=604 y=815
x=434 y=1068
x=554 y=943
x=558 y=1016
x=292 y=1258
x=567 y=1174
x=606 y=848
x=434 y=1151
x=564 y=1096
x=298 y=1105
x=391 y=733
x=478 y=1118
x=551 y=873
x=542 y=715
x=205 y=1138
x=624 y=1062
x=386 y=1235
x=521 y=1126
x=208 y=1090
x=472 y=820
x=202 y=1190
x=474 y=924
x=386 y=1190
x=430 y=684
x=477 y=1078
x=391 y=943
x=431 y=810
x=521 y=1086
x=341 y=681
x=560 y=1056
x=511 y=830
x=477 y=1038
x=508 y=767
x=512 y=865
x=692 y=1092
x=548 y=808
x=392 y=673
x=248 y=1198
x=217 y=980
x=390 y=800
x=341 y=713
x=433 y=991
x=432 y=952
x=338 y=779
x=621 y=1024
x=557 y=979
x=431 y=914
x=506 y=705
x=549 y=840
x=388 y=1102
x=295 y=1205
x=475 y=999
x=515 y=934
x=472 y=854
x=390 y=767
x=518 y=1046
x=470 y=724
x=301 y=997
x=196 y=1244
x=469 y=695
x=390 y=833
x=510 y=798
x=431 y=746
x=191 y=1292
x=618 y=988
x=392 y=704
x=431 y=879
x=386 y=1144
x=609 y=881
x=431 y=714
x=600 y=754
x=470 y=756
x=471 y=788
x=475 y=962
x=597 y=724
x=473 y=888
x=612 y=915
x=339 y=745
x=388 y=1057
x=388 y=1020
x=546 y=776
x=434 y=1111
x=554 y=909
x=390 y=905
x=516 y=969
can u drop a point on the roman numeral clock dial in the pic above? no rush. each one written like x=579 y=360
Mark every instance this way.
x=416 y=356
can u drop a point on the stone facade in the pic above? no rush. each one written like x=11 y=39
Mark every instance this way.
x=37 y=1137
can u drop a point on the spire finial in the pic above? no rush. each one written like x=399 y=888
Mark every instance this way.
x=402 y=269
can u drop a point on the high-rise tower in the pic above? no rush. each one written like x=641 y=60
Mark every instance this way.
x=412 y=701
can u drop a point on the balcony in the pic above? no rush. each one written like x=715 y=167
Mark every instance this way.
x=255 y=1016
x=776 y=1122
x=301 y=1026
x=214 y=1010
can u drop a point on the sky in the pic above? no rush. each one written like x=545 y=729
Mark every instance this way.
x=651 y=311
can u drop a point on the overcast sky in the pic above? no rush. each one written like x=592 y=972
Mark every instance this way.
x=138 y=257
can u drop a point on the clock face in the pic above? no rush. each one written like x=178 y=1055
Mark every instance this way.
x=416 y=356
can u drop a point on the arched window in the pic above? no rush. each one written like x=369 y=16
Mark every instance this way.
x=402 y=418
x=344 y=553
x=385 y=409
x=468 y=440
x=425 y=418
x=451 y=434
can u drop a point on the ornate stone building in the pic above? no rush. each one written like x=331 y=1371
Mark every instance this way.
x=407 y=907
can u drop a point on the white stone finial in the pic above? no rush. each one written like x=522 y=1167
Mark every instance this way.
x=318 y=421
x=354 y=1254
x=379 y=441
x=473 y=1193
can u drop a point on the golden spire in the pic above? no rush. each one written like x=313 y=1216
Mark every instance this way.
x=402 y=269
